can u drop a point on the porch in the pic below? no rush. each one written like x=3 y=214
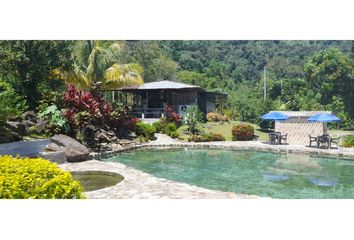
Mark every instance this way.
x=149 y=100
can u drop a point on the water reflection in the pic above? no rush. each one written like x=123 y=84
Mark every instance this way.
x=290 y=165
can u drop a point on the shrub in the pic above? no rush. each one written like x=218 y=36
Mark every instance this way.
x=225 y=118
x=217 y=117
x=266 y=124
x=36 y=178
x=171 y=130
x=174 y=134
x=206 y=138
x=242 y=132
x=11 y=105
x=229 y=114
x=48 y=98
x=84 y=109
x=145 y=130
x=159 y=126
x=192 y=119
x=171 y=127
x=57 y=122
x=79 y=101
x=216 y=137
x=348 y=141
x=213 y=117
x=167 y=128
x=196 y=138
x=171 y=116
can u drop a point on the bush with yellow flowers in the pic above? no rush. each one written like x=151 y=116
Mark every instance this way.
x=36 y=178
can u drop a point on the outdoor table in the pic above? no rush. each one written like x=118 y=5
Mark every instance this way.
x=325 y=138
x=277 y=137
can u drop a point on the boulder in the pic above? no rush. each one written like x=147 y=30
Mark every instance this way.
x=57 y=157
x=29 y=115
x=18 y=127
x=116 y=147
x=74 y=151
x=28 y=123
x=7 y=135
x=102 y=136
x=41 y=125
x=89 y=135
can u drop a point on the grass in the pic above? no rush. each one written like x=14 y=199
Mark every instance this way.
x=224 y=129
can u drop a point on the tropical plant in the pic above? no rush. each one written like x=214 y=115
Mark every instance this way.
x=56 y=119
x=171 y=116
x=144 y=130
x=99 y=66
x=348 y=141
x=36 y=178
x=192 y=119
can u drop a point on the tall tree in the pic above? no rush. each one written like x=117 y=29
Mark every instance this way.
x=31 y=66
x=330 y=73
x=99 y=65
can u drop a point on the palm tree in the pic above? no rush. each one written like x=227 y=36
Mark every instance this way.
x=98 y=66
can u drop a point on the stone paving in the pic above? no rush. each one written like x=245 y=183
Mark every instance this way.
x=137 y=184
x=164 y=141
x=140 y=185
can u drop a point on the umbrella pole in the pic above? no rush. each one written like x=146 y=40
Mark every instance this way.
x=325 y=129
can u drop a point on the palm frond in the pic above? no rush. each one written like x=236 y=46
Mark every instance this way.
x=121 y=75
x=78 y=78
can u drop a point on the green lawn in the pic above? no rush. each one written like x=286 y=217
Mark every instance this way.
x=223 y=129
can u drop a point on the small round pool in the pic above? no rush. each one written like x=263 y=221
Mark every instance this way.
x=94 y=180
x=268 y=174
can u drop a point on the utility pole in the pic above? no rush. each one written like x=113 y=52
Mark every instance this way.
x=264 y=84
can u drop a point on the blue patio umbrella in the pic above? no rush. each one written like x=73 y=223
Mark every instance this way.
x=324 y=117
x=275 y=116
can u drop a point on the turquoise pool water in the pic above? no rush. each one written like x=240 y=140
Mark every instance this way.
x=276 y=175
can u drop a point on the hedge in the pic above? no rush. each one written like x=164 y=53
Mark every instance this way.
x=145 y=130
x=242 y=132
x=36 y=178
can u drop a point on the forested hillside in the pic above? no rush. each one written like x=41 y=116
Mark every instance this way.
x=301 y=75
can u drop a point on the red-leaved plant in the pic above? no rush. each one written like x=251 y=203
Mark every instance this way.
x=84 y=108
x=172 y=116
x=78 y=101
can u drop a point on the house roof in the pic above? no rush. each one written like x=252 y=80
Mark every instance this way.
x=304 y=114
x=161 y=85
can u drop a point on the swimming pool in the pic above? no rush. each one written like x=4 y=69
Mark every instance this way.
x=268 y=174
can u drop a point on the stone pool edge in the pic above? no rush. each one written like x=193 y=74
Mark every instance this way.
x=345 y=153
x=137 y=184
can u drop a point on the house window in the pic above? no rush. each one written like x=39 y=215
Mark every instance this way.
x=187 y=98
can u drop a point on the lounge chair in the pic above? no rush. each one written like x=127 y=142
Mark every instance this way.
x=313 y=139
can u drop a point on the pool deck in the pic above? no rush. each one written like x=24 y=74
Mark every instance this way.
x=165 y=141
x=140 y=185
